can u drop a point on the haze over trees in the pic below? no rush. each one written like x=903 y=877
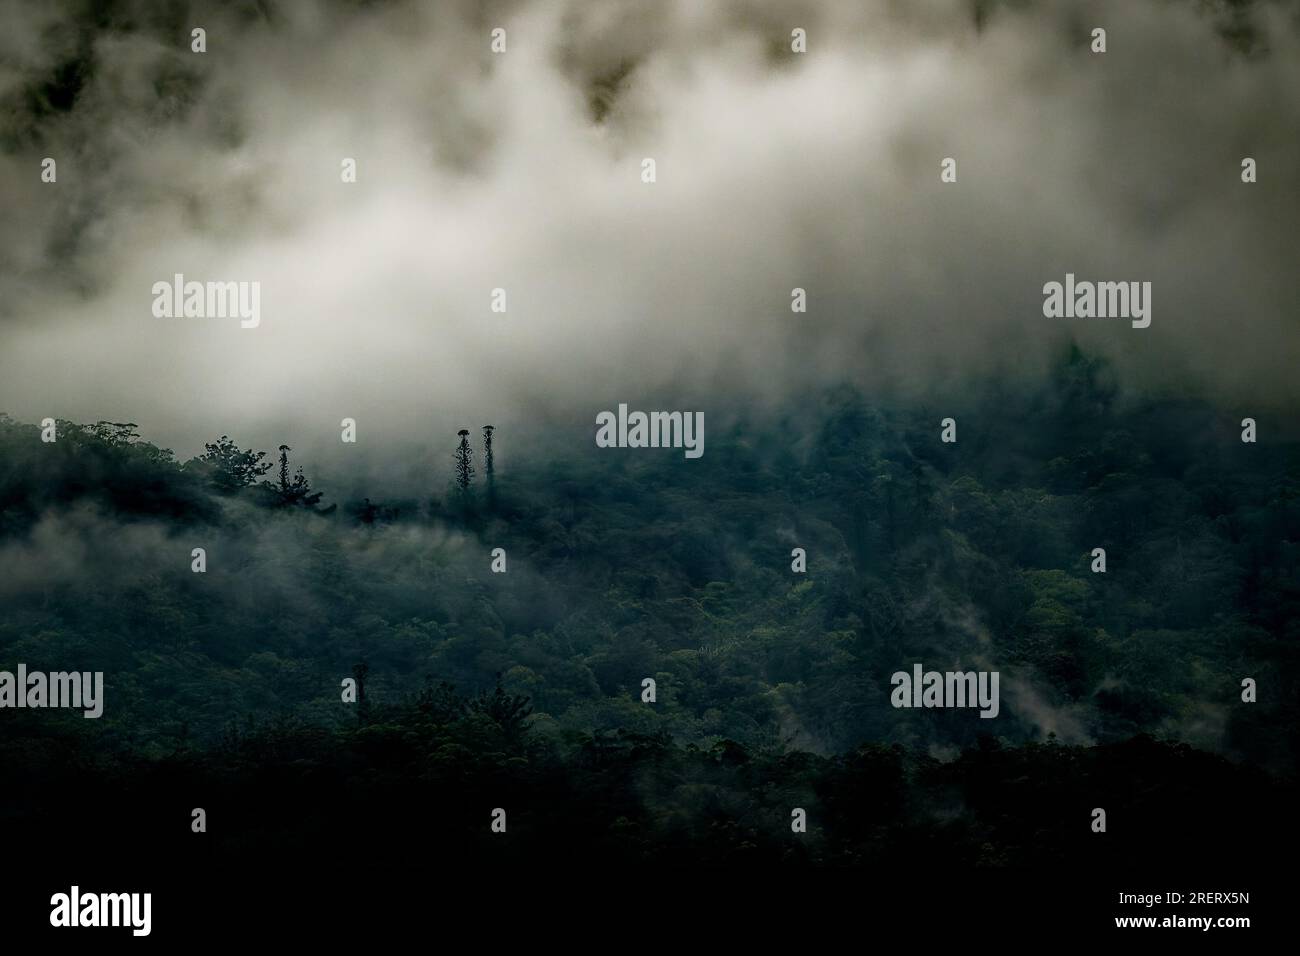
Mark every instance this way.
x=773 y=686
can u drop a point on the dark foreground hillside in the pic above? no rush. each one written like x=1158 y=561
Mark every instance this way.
x=523 y=691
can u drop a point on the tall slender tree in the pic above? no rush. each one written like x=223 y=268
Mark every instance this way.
x=464 y=461
x=296 y=491
x=487 y=451
x=284 y=469
x=488 y=468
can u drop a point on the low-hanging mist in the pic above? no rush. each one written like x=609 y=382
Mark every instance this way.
x=521 y=171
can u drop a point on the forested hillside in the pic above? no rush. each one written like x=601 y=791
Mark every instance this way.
x=772 y=686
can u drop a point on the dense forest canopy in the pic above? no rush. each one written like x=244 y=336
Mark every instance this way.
x=523 y=689
x=626 y=565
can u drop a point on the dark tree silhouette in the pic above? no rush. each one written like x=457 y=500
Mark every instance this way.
x=488 y=467
x=284 y=469
x=114 y=433
x=233 y=468
x=464 y=461
x=295 y=491
x=487 y=451
x=301 y=490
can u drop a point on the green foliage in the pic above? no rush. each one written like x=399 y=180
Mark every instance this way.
x=772 y=685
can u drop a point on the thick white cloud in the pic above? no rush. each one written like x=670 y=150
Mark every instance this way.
x=774 y=171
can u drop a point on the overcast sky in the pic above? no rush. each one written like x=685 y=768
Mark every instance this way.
x=479 y=170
